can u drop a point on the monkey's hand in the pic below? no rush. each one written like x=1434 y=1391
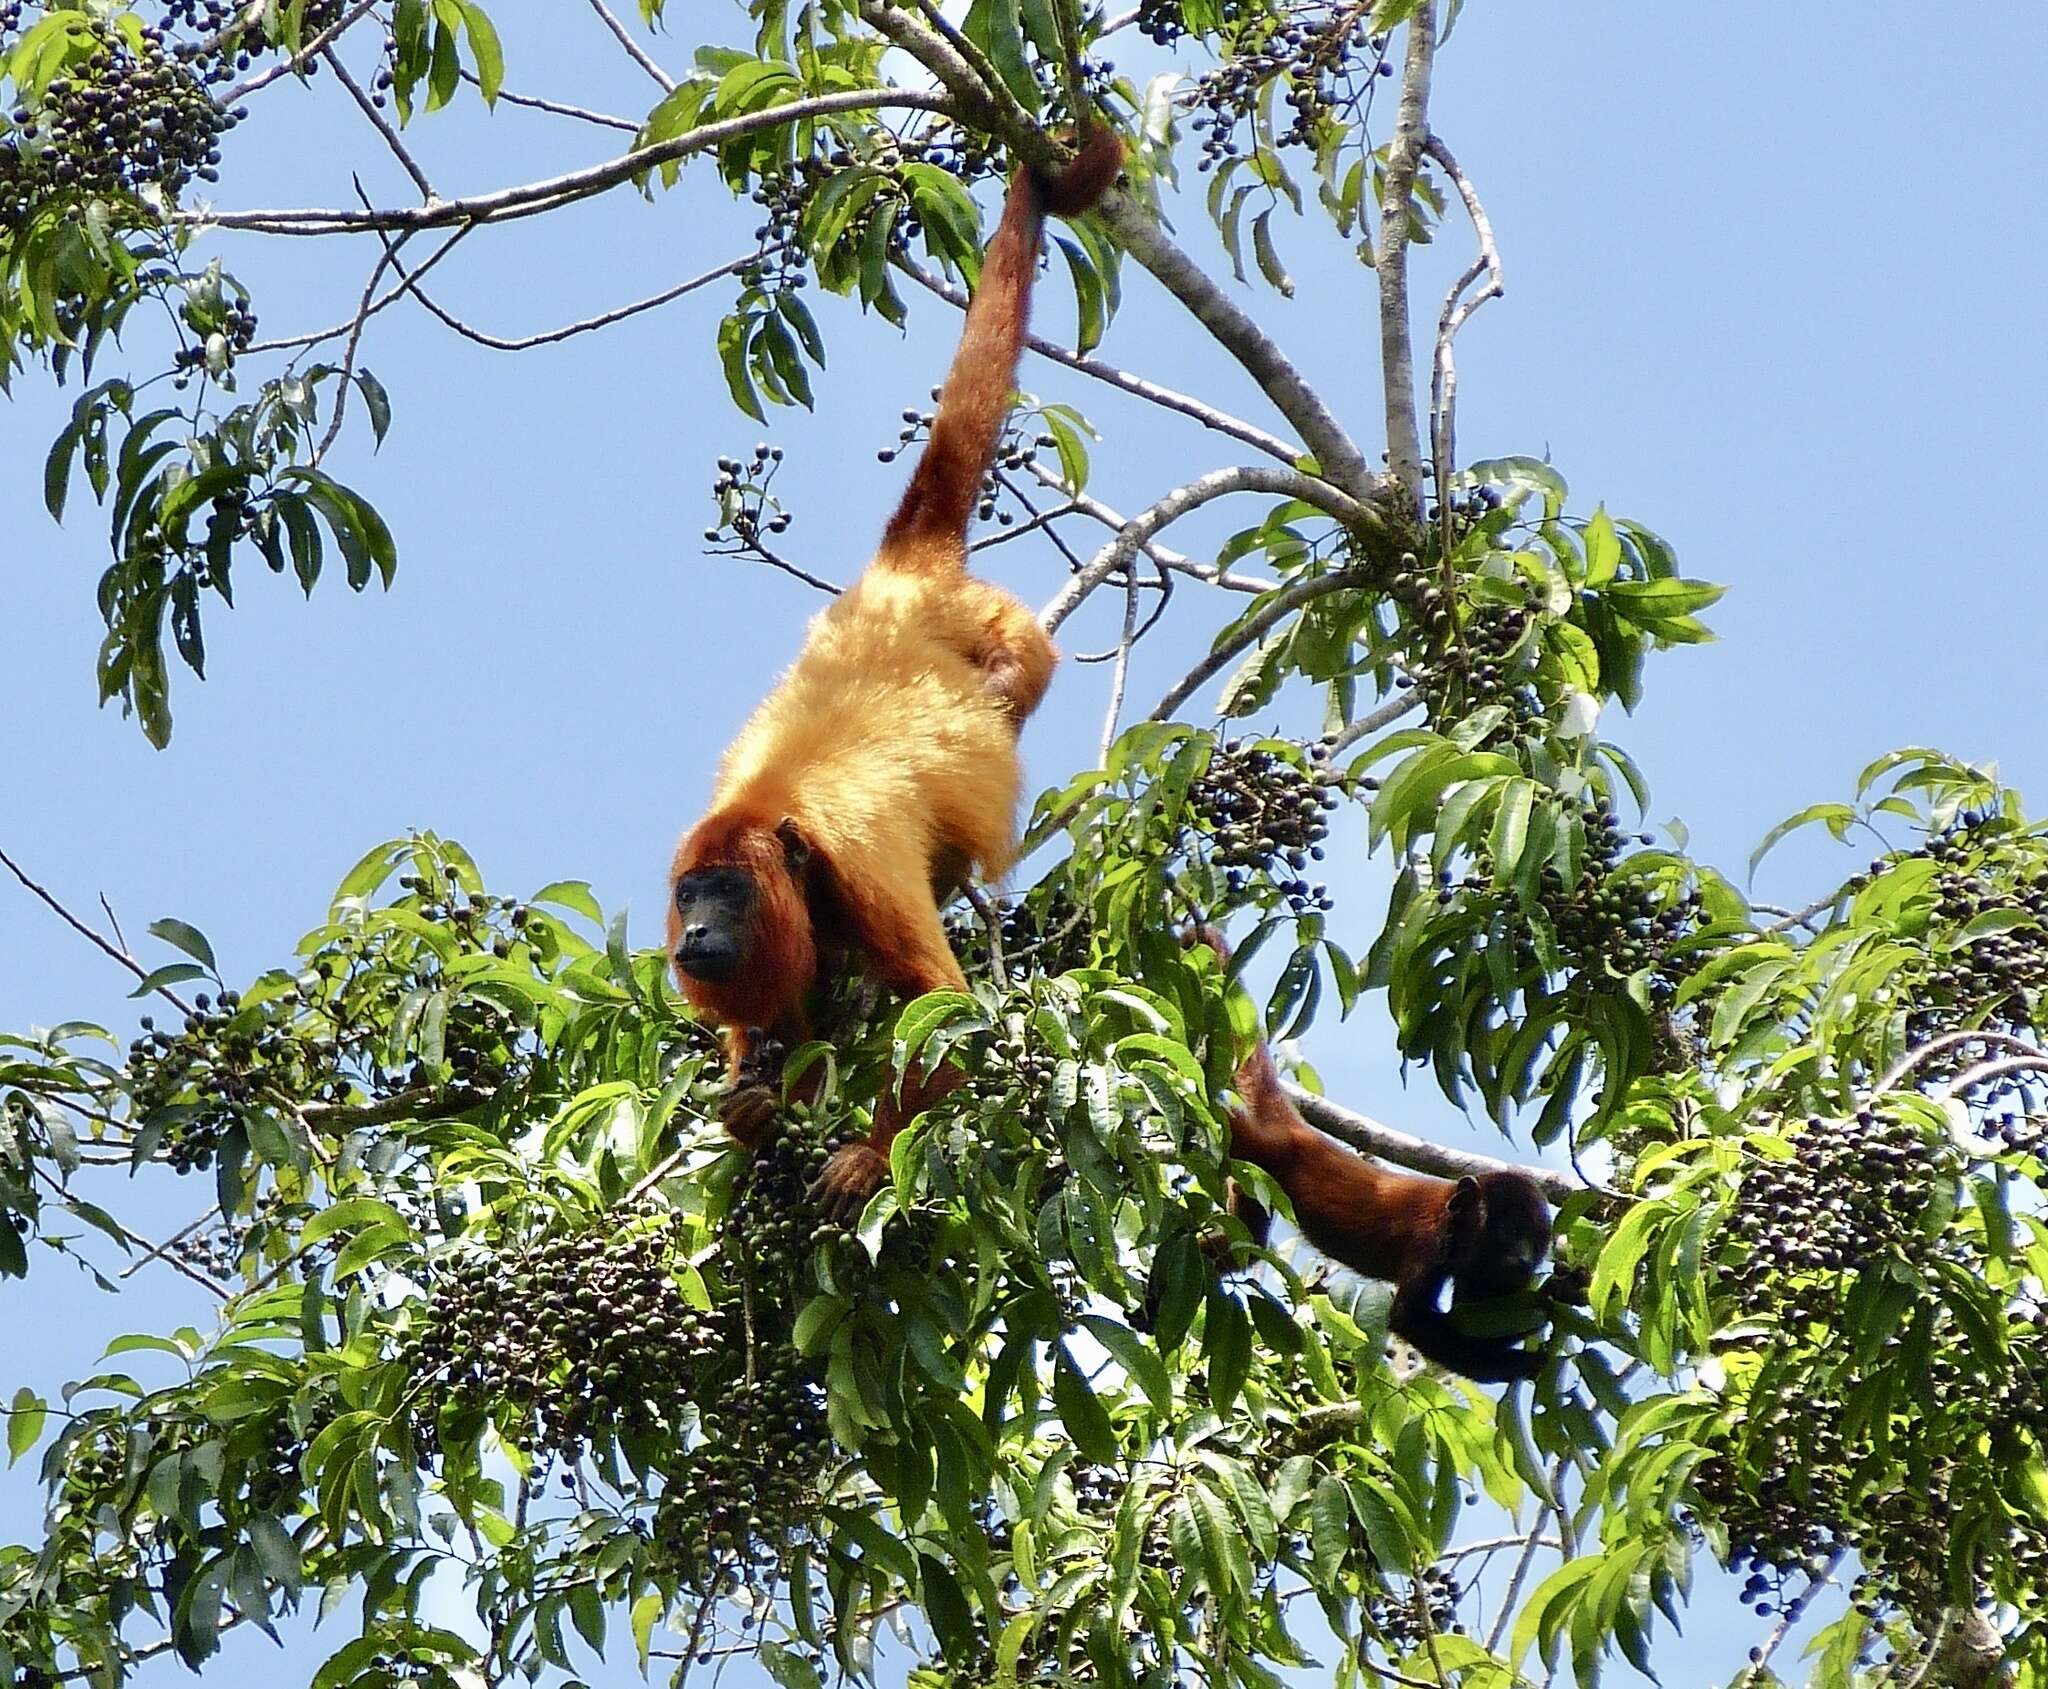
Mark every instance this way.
x=747 y=1111
x=855 y=1173
x=1568 y=1285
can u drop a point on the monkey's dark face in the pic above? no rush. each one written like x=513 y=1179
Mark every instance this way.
x=713 y=922
x=1515 y=1238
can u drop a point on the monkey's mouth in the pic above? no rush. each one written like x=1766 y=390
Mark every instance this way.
x=712 y=964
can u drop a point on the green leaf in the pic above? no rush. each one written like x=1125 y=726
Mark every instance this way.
x=25 y=1420
x=1083 y=1414
x=489 y=54
x=187 y=938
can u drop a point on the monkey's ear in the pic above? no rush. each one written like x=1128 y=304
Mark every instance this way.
x=796 y=849
x=1466 y=1196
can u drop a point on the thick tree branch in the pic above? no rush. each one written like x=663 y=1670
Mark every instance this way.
x=1367 y=1135
x=531 y=198
x=1397 y=355
x=1337 y=456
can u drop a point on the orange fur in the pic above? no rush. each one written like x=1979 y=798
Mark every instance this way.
x=890 y=745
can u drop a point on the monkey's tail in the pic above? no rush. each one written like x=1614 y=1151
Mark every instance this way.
x=1265 y=1128
x=946 y=485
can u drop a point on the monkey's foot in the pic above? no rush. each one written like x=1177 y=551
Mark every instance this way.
x=855 y=1173
x=747 y=1111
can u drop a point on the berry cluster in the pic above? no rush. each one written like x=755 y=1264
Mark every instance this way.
x=227 y=36
x=772 y=1226
x=1046 y=932
x=1621 y=923
x=1328 y=56
x=575 y=1334
x=192 y=1085
x=123 y=119
x=1265 y=810
x=752 y=1481
x=747 y=509
x=2000 y=978
x=1400 y=1620
x=1850 y=1198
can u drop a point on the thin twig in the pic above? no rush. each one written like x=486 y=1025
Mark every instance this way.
x=1390 y=259
x=560 y=108
x=134 y=1240
x=118 y=953
x=774 y=560
x=1254 y=627
x=379 y=122
x=1788 y=1615
x=583 y=325
x=391 y=297
x=1804 y=917
x=1535 y=1540
x=1895 y=1075
x=1373 y=720
x=1984 y=1072
x=1122 y=674
x=634 y=50
x=1457 y=311
x=1337 y=458
x=1165 y=397
x=1108 y=516
x=171 y=1242
x=1132 y=537
x=531 y=198
x=385 y=260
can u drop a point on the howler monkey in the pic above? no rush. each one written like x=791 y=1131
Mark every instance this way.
x=1484 y=1234
x=884 y=765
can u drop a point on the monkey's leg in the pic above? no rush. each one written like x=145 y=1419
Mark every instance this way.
x=907 y=950
x=1015 y=655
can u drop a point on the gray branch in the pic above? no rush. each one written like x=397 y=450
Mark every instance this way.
x=1255 y=627
x=1165 y=397
x=1397 y=355
x=530 y=198
x=1367 y=1135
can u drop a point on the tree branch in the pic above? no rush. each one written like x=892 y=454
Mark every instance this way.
x=1165 y=397
x=531 y=198
x=1255 y=626
x=295 y=62
x=634 y=50
x=1132 y=537
x=379 y=122
x=76 y=925
x=1337 y=457
x=1457 y=311
x=1367 y=1135
x=1397 y=356
x=1096 y=511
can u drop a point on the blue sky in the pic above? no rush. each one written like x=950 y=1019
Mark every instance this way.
x=1770 y=291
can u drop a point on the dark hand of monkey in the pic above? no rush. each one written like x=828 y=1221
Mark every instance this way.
x=749 y=1108
x=1568 y=1285
x=855 y=1173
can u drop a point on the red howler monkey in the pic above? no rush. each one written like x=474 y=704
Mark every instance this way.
x=1484 y=1233
x=884 y=765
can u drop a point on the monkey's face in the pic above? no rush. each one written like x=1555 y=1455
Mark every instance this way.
x=1514 y=1240
x=713 y=922
x=739 y=928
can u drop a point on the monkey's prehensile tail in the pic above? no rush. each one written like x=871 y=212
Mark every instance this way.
x=946 y=484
